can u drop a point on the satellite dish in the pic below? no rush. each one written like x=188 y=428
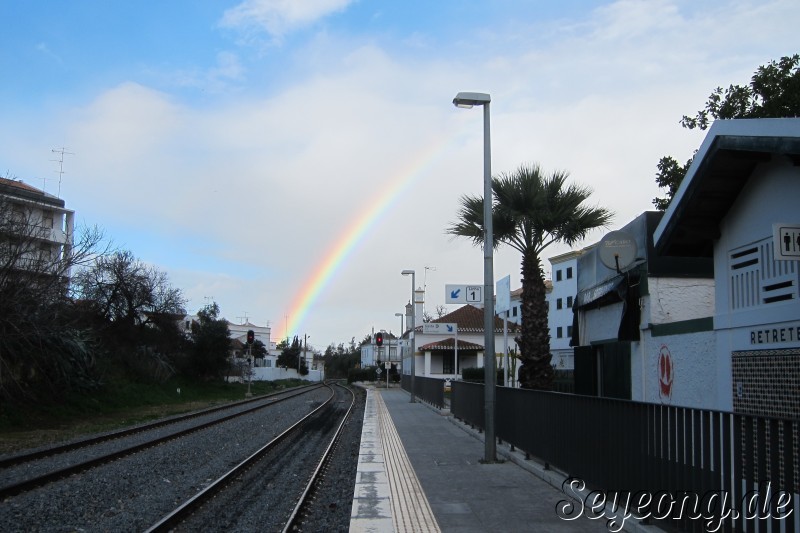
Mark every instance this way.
x=617 y=250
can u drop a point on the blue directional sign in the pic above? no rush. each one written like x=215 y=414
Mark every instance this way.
x=463 y=294
x=430 y=328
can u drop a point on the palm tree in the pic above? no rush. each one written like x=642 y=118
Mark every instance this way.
x=530 y=212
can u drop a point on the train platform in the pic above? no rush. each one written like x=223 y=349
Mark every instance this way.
x=422 y=470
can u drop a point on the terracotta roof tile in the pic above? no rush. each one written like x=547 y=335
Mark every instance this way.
x=449 y=344
x=20 y=185
x=470 y=320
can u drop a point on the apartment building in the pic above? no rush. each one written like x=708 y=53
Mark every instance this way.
x=37 y=226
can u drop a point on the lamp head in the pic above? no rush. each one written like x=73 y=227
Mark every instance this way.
x=467 y=100
x=407 y=272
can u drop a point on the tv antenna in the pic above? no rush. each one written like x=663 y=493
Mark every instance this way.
x=61 y=151
x=425 y=285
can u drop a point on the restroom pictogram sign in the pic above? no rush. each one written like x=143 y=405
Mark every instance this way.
x=786 y=241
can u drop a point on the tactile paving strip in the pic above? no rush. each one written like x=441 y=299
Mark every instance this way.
x=411 y=511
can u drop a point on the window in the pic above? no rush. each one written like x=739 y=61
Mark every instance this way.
x=514 y=311
x=558 y=275
x=47 y=220
x=569 y=331
x=560 y=332
x=569 y=301
x=569 y=272
x=268 y=363
x=559 y=303
x=447 y=364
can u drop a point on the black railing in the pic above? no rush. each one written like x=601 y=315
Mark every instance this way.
x=692 y=458
x=430 y=390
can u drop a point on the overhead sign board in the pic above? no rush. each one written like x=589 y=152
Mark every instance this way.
x=503 y=289
x=463 y=294
x=786 y=241
x=440 y=327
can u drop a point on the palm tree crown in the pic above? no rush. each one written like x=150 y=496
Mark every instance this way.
x=531 y=211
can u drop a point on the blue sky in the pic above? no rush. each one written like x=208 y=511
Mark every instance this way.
x=230 y=143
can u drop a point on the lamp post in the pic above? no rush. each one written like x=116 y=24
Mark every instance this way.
x=303 y=353
x=411 y=327
x=399 y=348
x=468 y=100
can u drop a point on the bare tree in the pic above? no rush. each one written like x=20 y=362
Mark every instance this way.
x=124 y=290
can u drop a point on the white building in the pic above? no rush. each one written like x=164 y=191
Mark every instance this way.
x=48 y=225
x=560 y=299
x=444 y=355
x=391 y=350
x=625 y=317
x=738 y=207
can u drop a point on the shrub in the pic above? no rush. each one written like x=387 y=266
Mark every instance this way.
x=476 y=375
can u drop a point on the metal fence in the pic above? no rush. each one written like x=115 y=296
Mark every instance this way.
x=430 y=390
x=697 y=467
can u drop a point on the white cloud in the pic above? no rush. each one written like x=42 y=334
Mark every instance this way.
x=240 y=199
x=280 y=17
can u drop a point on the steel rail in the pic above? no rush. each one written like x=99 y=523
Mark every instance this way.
x=55 y=475
x=293 y=518
x=196 y=501
x=16 y=460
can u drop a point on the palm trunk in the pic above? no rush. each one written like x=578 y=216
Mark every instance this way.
x=535 y=371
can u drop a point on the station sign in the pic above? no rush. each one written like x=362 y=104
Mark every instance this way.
x=463 y=294
x=432 y=328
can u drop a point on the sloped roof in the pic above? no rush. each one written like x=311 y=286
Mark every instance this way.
x=720 y=169
x=470 y=320
x=23 y=190
x=449 y=344
x=20 y=185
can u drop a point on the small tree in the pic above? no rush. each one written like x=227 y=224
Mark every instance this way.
x=290 y=356
x=773 y=92
x=211 y=344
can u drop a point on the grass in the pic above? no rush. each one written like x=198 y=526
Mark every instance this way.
x=121 y=404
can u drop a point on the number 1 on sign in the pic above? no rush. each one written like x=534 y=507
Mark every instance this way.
x=474 y=294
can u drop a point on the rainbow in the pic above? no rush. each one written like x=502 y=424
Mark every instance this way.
x=354 y=233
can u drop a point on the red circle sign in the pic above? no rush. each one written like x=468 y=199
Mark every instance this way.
x=666 y=373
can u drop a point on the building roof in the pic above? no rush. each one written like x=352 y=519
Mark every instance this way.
x=470 y=320
x=719 y=171
x=23 y=190
x=448 y=345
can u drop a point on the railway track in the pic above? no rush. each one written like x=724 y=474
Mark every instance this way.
x=133 y=492
x=269 y=490
x=15 y=480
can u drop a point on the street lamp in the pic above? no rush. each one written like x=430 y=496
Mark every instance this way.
x=468 y=100
x=303 y=353
x=399 y=349
x=411 y=327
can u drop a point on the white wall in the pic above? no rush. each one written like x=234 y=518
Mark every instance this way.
x=677 y=299
x=686 y=379
x=272 y=374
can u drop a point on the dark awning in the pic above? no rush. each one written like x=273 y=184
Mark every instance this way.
x=593 y=294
